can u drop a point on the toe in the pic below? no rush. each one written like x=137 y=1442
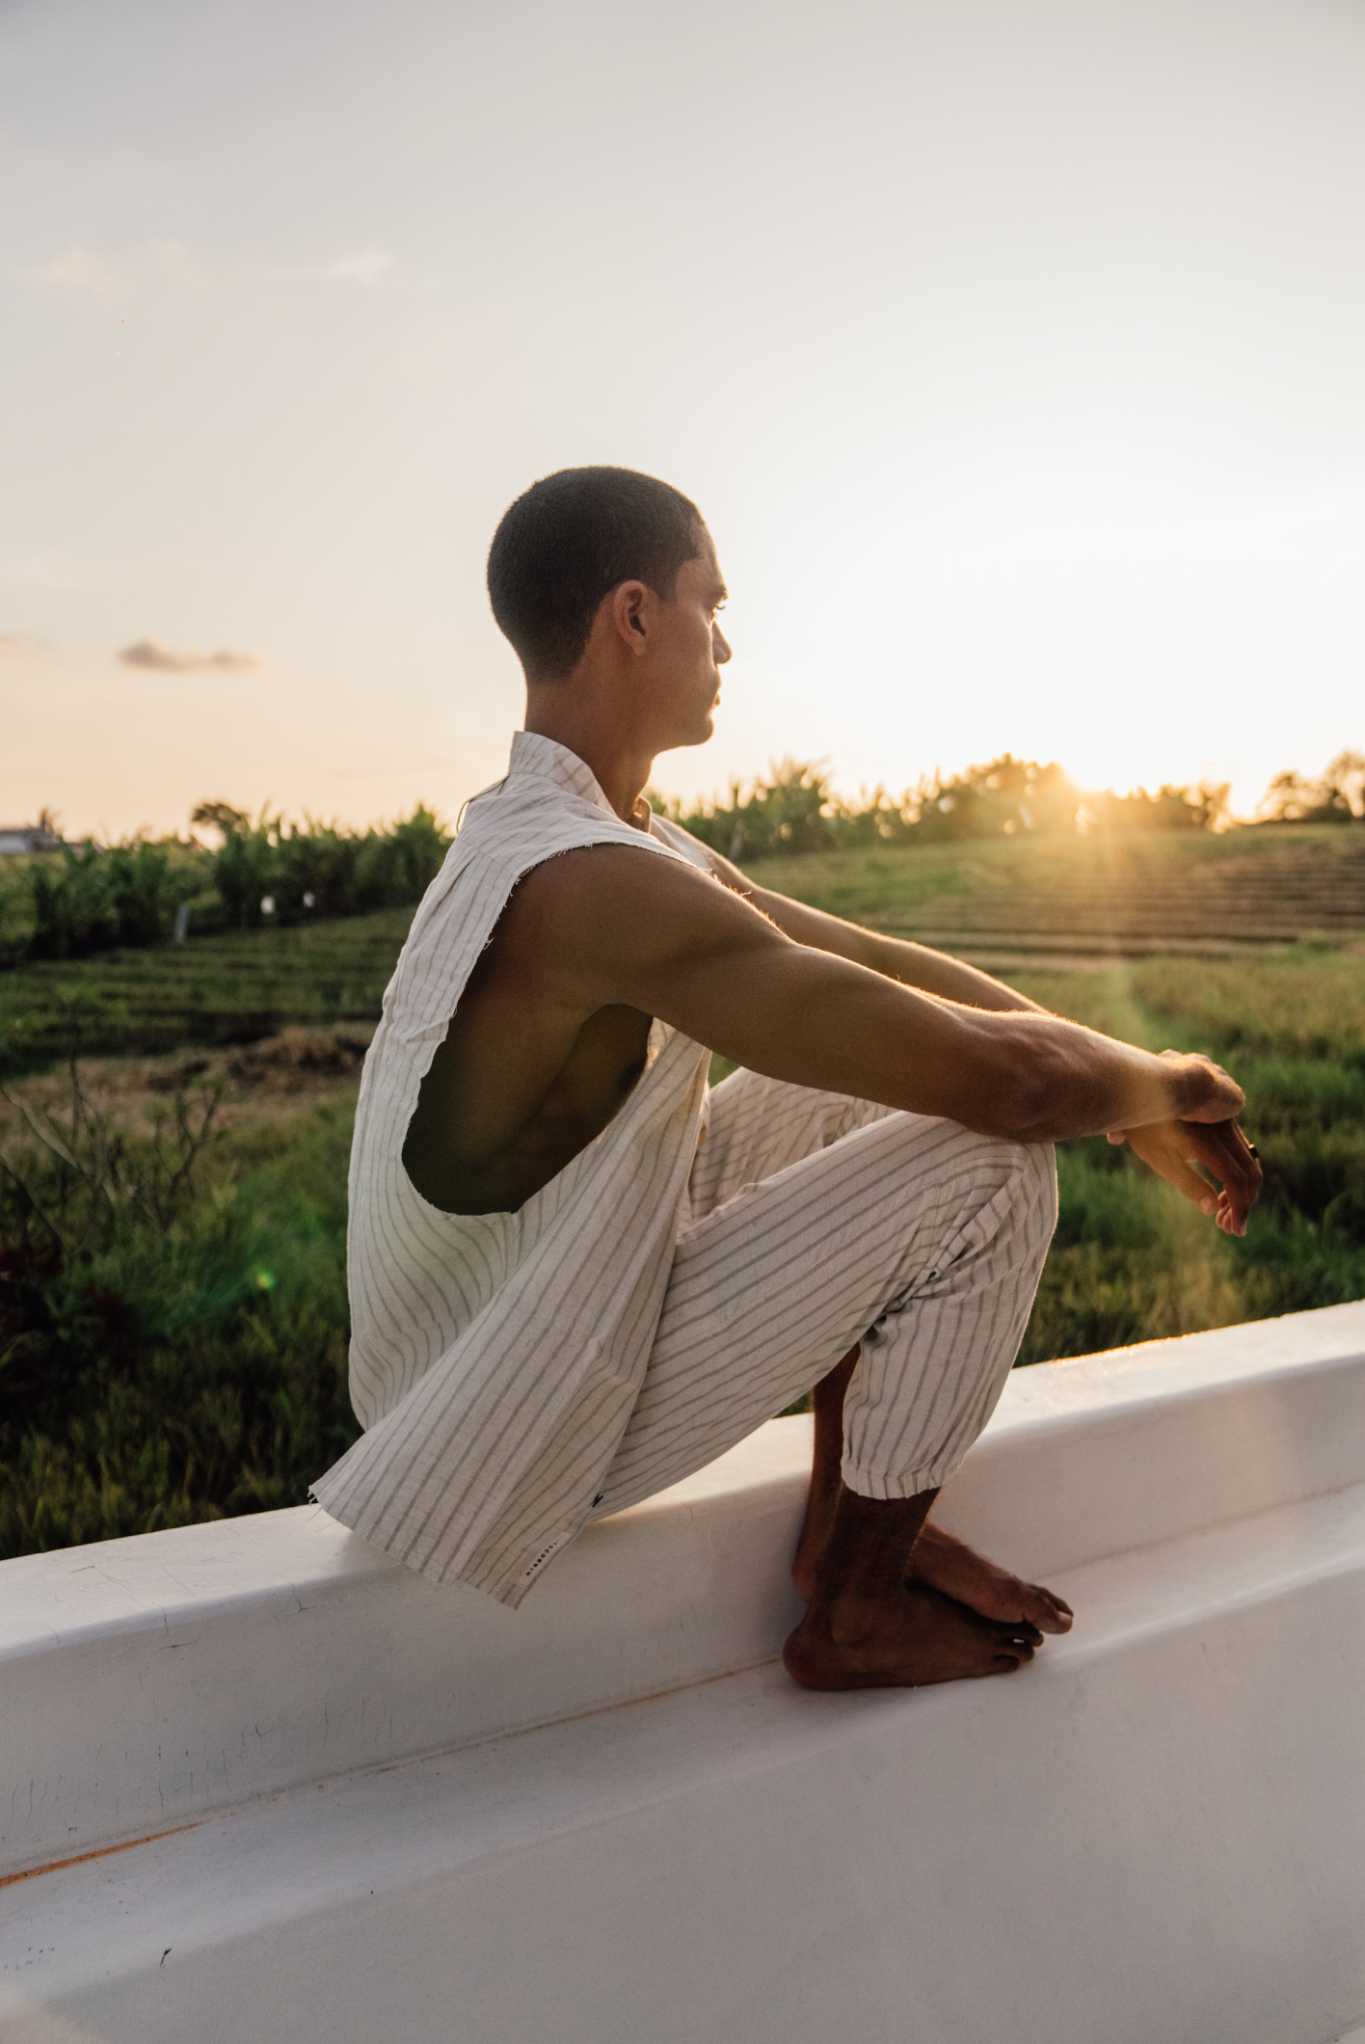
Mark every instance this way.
x=1016 y=1632
x=1017 y=1637
x=1024 y=1603
x=1022 y=1629
x=1049 y=1611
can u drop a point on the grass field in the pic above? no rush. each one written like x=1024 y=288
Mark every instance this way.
x=172 y=1309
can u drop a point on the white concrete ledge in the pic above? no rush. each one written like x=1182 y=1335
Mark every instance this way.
x=1151 y=1836
x=150 y=1680
x=262 y=1782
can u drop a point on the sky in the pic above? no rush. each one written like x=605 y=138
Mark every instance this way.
x=1013 y=356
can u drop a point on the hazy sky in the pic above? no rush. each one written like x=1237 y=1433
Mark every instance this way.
x=1013 y=354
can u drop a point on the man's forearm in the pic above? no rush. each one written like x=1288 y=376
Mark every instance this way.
x=1071 y=1081
x=914 y=965
x=934 y=972
x=1089 y=1075
x=1087 y=1064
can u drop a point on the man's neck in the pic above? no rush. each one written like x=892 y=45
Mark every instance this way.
x=621 y=770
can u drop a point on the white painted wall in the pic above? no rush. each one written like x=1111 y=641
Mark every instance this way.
x=1157 y=1831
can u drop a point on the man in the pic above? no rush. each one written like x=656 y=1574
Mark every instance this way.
x=577 y=1273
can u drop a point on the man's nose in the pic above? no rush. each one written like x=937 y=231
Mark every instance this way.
x=722 y=647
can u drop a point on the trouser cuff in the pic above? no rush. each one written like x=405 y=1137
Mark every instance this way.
x=889 y=1483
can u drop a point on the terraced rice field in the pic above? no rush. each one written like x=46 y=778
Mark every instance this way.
x=222 y=989
x=1003 y=906
x=1088 y=920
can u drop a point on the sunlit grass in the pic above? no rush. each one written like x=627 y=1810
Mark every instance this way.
x=863 y=884
x=1134 y=1260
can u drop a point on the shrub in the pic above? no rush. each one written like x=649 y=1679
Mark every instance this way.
x=172 y=1323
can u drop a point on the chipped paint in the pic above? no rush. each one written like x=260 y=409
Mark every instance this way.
x=99 y=1852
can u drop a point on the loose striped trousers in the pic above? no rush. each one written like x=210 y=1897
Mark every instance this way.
x=817 y=1221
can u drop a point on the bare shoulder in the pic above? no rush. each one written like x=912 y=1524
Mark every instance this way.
x=613 y=922
x=575 y=894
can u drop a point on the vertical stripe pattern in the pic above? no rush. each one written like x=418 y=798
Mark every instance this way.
x=494 y=1358
x=700 y=1264
x=817 y=1221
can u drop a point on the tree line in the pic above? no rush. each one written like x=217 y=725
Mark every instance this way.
x=796 y=810
x=270 y=872
x=144 y=891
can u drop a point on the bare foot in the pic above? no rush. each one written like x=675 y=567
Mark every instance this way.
x=925 y=1638
x=943 y=1563
x=812 y=1544
x=947 y=1564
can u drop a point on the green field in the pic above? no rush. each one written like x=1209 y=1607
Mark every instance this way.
x=173 y=1321
x=1006 y=904
x=219 y=989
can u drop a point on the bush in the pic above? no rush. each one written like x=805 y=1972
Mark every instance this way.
x=172 y=1323
x=87 y=898
x=320 y=870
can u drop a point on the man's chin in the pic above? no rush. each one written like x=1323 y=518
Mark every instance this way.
x=704 y=728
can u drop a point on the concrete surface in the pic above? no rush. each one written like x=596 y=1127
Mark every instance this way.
x=390 y=1810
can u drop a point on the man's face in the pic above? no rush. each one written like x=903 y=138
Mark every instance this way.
x=696 y=648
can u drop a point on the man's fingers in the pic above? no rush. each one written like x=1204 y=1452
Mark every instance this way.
x=1232 y=1158
x=1188 y=1181
x=1223 y=1149
x=1251 y=1163
x=1234 y=1201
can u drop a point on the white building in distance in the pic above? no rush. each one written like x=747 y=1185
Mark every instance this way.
x=27 y=837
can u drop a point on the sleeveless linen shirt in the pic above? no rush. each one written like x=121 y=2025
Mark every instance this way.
x=495 y=1358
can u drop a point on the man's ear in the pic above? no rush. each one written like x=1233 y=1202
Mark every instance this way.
x=630 y=614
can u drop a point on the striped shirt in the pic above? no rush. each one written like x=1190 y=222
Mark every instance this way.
x=495 y=1358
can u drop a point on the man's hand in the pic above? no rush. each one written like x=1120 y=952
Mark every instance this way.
x=1174 y=1148
x=1220 y=1096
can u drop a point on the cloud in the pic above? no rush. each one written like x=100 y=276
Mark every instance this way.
x=14 y=643
x=165 y=660
x=76 y=269
x=360 y=266
x=113 y=273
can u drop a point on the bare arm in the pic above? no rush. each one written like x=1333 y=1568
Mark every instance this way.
x=1172 y=1147
x=914 y=965
x=607 y=924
